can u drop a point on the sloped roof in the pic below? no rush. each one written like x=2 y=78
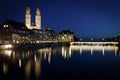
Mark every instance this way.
x=15 y=25
x=66 y=32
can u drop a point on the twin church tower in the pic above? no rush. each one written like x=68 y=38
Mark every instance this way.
x=28 y=20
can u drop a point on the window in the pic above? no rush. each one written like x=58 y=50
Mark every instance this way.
x=62 y=37
x=5 y=25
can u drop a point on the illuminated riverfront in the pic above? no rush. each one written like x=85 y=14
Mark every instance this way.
x=60 y=40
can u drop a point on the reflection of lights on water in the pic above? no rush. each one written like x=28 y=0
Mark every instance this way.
x=13 y=53
x=91 y=50
x=28 y=70
x=23 y=55
x=49 y=59
x=103 y=51
x=64 y=52
x=45 y=50
x=8 y=46
x=45 y=56
x=5 y=68
x=20 y=64
x=70 y=52
x=35 y=58
x=115 y=52
x=37 y=69
x=94 y=48
x=80 y=50
x=8 y=52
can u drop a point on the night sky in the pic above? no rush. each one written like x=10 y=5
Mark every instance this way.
x=87 y=18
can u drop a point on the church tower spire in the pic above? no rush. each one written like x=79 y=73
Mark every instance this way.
x=38 y=19
x=37 y=24
x=28 y=18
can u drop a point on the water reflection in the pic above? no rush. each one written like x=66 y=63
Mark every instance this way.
x=5 y=68
x=95 y=48
x=30 y=61
x=35 y=66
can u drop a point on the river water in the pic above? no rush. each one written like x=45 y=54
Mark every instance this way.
x=61 y=63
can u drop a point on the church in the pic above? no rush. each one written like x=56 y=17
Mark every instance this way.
x=16 y=32
x=28 y=23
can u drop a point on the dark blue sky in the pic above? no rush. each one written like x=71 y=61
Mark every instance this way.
x=87 y=18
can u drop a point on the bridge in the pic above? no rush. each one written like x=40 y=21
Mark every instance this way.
x=93 y=43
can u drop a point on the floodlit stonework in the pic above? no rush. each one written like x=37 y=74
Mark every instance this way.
x=28 y=23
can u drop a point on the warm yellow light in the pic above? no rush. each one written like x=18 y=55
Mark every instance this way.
x=8 y=46
x=7 y=52
x=20 y=64
x=5 y=68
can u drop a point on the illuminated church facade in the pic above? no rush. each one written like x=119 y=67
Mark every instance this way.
x=28 y=23
x=16 y=32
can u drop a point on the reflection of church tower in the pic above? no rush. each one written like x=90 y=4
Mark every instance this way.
x=37 y=19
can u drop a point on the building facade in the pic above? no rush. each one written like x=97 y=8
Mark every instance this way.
x=16 y=32
x=28 y=20
x=13 y=32
x=49 y=35
x=66 y=36
x=46 y=35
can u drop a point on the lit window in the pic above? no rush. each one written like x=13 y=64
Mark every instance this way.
x=62 y=37
x=17 y=41
x=23 y=37
x=5 y=25
x=65 y=35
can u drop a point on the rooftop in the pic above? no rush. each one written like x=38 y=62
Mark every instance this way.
x=66 y=32
x=15 y=25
